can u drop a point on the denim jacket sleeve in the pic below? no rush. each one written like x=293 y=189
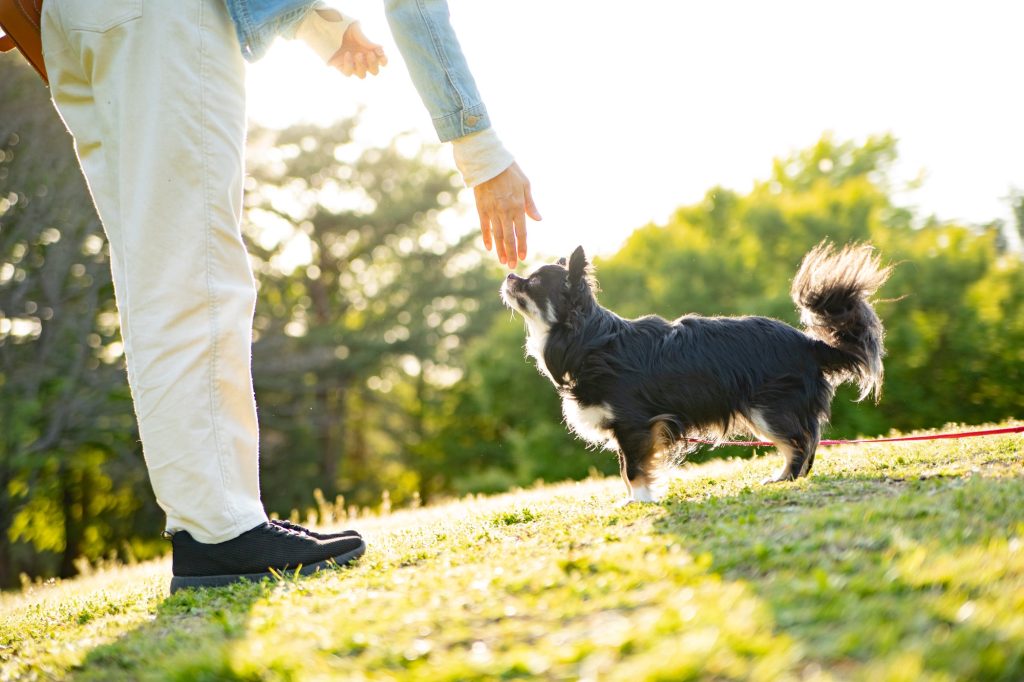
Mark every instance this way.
x=426 y=39
x=258 y=22
x=424 y=36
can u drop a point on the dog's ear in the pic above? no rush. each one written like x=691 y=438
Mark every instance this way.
x=579 y=290
x=577 y=266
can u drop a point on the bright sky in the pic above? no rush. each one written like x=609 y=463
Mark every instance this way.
x=621 y=112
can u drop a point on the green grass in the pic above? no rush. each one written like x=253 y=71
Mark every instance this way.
x=894 y=562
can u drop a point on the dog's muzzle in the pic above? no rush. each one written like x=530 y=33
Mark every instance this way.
x=510 y=290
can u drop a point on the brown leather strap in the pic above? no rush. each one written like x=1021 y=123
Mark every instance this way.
x=20 y=20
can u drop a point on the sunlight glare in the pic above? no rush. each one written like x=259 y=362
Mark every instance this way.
x=719 y=90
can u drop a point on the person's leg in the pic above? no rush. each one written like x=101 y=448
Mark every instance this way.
x=153 y=94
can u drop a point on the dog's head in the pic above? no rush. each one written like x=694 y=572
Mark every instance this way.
x=551 y=294
x=560 y=295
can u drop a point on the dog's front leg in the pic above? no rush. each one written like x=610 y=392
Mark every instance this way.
x=636 y=459
x=625 y=477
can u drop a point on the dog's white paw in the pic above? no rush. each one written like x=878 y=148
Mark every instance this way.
x=642 y=493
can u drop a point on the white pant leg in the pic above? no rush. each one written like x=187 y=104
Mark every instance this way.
x=153 y=93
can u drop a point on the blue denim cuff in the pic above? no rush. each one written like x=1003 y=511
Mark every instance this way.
x=470 y=119
x=258 y=23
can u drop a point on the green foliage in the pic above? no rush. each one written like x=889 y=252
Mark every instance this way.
x=356 y=341
x=953 y=309
x=70 y=483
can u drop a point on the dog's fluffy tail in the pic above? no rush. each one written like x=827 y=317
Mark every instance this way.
x=832 y=291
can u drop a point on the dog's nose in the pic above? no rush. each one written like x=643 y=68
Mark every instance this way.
x=512 y=277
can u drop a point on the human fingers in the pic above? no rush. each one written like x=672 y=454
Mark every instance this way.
x=382 y=56
x=347 y=65
x=509 y=234
x=338 y=61
x=372 y=62
x=485 y=227
x=531 y=207
x=499 y=240
x=520 y=227
x=360 y=64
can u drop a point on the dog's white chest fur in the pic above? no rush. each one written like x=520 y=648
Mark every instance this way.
x=591 y=423
x=536 y=339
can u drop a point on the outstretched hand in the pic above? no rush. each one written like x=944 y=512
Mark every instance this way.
x=503 y=202
x=357 y=55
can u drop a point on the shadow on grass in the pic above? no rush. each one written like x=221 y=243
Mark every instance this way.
x=191 y=635
x=880 y=576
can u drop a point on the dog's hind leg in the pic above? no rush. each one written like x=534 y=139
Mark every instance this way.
x=795 y=464
x=795 y=441
x=813 y=435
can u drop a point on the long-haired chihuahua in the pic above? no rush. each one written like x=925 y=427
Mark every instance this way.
x=645 y=387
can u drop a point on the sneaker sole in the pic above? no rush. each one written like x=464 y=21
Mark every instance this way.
x=181 y=582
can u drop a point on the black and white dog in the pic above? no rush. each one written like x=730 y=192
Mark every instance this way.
x=641 y=387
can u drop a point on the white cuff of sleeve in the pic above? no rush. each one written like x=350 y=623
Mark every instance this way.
x=323 y=29
x=480 y=156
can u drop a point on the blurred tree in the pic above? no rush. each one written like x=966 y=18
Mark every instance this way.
x=69 y=463
x=1016 y=199
x=953 y=335
x=364 y=304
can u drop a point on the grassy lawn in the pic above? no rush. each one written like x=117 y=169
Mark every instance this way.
x=893 y=562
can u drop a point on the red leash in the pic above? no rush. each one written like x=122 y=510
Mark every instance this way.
x=961 y=434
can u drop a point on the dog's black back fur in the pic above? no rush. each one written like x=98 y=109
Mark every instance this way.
x=702 y=371
x=661 y=381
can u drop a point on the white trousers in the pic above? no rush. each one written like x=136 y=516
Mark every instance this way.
x=153 y=93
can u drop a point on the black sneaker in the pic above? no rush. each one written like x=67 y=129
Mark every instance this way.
x=285 y=523
x=254 y=554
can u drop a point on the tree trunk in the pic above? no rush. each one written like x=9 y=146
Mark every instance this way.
x=330 y=408
x=329 y=399
x=6 y=563
x=358 y=456
x=7 y=577
x=74 y=509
